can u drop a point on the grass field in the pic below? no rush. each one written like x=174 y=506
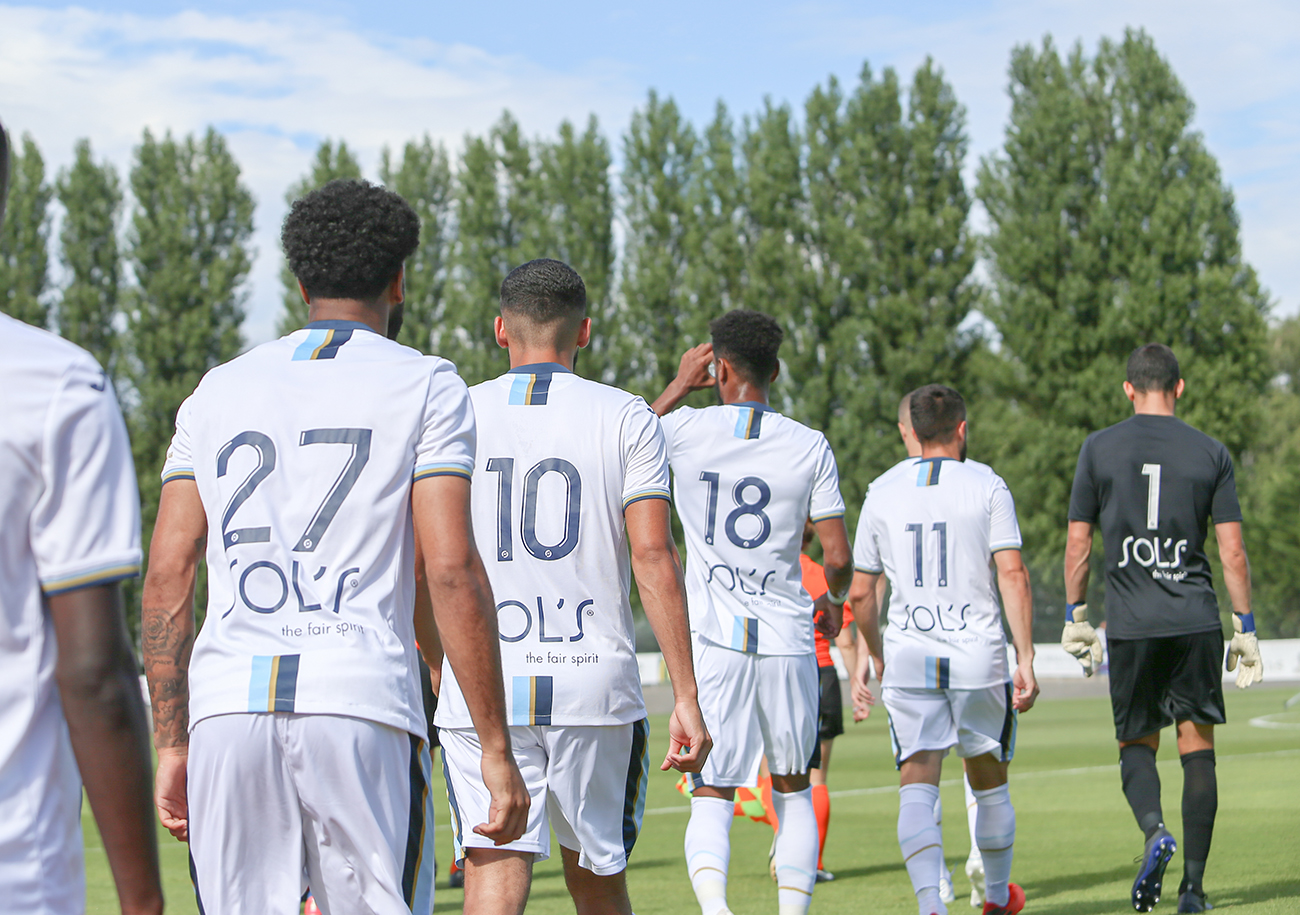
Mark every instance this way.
x=1075 y=836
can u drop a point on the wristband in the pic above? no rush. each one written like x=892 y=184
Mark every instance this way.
x=840 y=599
x=1245 y=622
x=1076 y=613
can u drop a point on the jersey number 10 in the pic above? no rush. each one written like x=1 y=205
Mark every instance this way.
x=504 y=467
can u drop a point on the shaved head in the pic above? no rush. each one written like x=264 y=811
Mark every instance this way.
x=905 y=410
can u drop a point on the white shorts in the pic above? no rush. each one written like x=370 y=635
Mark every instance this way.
x=975 y=721
x=348 y=799
x=754 y=705
x=586 y=782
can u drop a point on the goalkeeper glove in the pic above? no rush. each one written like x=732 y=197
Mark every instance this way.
x=1080 y=639
x=1245 y=647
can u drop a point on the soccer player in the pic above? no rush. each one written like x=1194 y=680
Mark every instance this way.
x=296 y=734
x=745 y=479
x=70 y=705
x=945 y=681
x=830 y=701
x=571 y=478
x=1154 y=485
x=974 y=865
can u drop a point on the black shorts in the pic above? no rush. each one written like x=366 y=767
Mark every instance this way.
x=1155 y=682
x=830 y=705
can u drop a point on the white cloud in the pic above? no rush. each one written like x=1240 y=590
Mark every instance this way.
x=275 y=85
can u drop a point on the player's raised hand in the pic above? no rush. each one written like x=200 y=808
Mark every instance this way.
x=169 y=791
x=1244 y=648
x=1079 y=639
x=693 y=371
x=1026 y=687
x=689 y=742
x=508 y=812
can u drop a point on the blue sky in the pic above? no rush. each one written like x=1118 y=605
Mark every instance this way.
x=278 y=77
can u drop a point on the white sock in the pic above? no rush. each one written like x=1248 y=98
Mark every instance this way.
x=796 y=850
x=708 y=851
x=970 y=818
x=922 y=844
x=938 y=821
x=995 y=830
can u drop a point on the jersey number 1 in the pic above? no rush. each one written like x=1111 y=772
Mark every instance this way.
x=1152 y=473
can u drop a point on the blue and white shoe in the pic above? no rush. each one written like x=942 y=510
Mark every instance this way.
x=1155 y=858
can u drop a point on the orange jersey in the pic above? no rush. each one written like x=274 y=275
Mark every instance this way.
x=814 y=582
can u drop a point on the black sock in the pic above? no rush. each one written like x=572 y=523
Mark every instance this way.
x=1137 y=770
x=1200 y=804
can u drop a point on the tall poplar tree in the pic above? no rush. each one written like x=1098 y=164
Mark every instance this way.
x=423 y=179
x=660 y=320
x=331 y=162
x=189 y=250
x=715 y=233
x=24 y=239
x=91 y=195
x=1110 y=226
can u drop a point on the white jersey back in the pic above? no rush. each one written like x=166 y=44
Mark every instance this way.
x=560 y=459
x=932 y=526
x=304 y=450
x=71 y=520
x=745 y=478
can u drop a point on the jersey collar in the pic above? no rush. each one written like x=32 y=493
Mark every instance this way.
x=753 y=405
x=337 y=325
x=540 y=368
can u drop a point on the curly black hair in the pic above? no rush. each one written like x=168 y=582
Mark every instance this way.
x=544 y=290
x=348 y=239
x=749 y=340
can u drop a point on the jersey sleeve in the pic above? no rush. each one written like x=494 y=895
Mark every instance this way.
x=85 y=528
x=1224 y=507
x=1004 y=529
x=179 y=463
x=826 y=501
x=866 y=552
x=449 y=436
x=645 y=455
x=1083 y=494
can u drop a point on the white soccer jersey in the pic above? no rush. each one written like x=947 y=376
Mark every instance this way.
x=71 y=520
x=933 y=532
x=559 y=460
x=304 y=450
x=745 y=478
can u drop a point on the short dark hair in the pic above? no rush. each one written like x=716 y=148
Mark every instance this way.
x=937 y=410
x=4 y=172
x=544 y=291
x=1153 y=367
x=749 y=340
x=348 y=239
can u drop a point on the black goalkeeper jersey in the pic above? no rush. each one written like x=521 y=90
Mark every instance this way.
x=1154 y=484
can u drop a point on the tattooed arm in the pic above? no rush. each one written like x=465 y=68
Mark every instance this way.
x=167 y=624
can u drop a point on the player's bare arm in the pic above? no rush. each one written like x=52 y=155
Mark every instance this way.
x=866 y=611
x=1078 y=549
x=1018 y=604
x=465 y=614
x=659 y=578
x=837 y=560
x=692 y=375
x=167 y=638
x=1244 y=648
x=426 y=628
x=96 y=675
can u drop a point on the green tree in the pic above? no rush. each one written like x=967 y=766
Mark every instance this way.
x=24 y=239
x=1109 y=227
x=331 y=162
x=423 y=178
x=91 y=195
x=659 y=152
x=578 y=202
x=189 y=250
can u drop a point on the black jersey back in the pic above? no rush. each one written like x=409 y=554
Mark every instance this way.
x=1154 y=483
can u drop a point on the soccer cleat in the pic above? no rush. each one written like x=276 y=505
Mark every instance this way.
x=1015 y=902
x=824 y=876
x=310 y=907
x=975 y=871
x=946 y=892
x=1154 y=859
x=1192 y=901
